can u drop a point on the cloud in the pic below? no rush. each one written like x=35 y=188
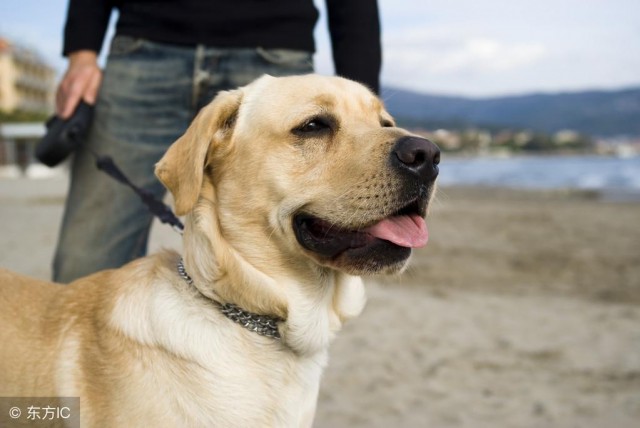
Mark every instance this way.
x=509 y=47
x=457 y=60
x=490 y=55
x=447 y=52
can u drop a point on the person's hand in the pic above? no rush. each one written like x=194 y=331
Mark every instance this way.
x=81 y=81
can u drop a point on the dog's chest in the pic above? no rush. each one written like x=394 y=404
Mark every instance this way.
x=194 y=367
x=279 y=391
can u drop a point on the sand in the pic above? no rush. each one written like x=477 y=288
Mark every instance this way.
x=523 y=311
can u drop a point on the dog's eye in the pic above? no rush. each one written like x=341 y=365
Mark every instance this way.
x=386 y=123
x=315 y=125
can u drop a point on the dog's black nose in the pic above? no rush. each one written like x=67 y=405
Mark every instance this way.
x=417 y=156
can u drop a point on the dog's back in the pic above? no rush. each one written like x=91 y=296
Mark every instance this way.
x=28 y=335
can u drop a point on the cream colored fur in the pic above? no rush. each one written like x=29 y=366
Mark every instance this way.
x=141 y=348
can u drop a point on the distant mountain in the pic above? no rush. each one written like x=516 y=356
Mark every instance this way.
x=597 y=113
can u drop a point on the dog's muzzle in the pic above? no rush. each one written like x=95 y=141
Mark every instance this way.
x=388 y=240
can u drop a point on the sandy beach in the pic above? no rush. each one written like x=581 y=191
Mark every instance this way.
x=522 y=311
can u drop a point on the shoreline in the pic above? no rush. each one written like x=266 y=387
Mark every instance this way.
x=628 y=191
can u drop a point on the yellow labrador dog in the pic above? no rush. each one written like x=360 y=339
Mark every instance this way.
x=292 y=187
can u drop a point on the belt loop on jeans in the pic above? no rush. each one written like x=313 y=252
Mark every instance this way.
x=199 y=77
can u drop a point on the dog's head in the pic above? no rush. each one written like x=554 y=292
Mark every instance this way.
x=306 y=170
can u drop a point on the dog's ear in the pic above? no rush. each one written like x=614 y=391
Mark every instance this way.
x=181 y=169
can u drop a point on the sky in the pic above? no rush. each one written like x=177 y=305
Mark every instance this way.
x=476 y=48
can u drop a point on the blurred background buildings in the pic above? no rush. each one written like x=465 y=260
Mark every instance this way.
x=27 y=88
x=27 y=81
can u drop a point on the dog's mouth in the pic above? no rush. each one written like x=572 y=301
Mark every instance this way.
x=381 y=239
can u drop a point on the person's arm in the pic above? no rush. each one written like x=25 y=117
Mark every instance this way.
x=84 y=32
x=354 y=26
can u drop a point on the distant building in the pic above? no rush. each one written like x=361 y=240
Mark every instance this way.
x=27 y=82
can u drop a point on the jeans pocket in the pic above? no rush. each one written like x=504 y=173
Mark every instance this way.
x=124 y=45
x=287 y=58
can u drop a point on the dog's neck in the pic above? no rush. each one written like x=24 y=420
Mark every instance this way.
x=263 y=325
x=313 y=308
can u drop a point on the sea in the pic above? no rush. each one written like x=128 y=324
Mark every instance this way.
x=620 y=175
x=610 y=176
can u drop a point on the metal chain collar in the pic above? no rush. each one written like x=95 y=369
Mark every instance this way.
x=264 y=325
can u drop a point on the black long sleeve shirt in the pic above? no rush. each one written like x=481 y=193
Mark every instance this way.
x=354 y=27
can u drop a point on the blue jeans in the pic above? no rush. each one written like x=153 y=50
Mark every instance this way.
x=150 y=92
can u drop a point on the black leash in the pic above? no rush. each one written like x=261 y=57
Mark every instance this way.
x=65 y=136
x=156 y=207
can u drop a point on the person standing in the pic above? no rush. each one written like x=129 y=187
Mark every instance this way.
x=167 y=60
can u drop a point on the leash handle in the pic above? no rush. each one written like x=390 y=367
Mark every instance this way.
x=156 y=207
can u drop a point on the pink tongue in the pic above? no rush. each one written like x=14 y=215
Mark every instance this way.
x=404 y=230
